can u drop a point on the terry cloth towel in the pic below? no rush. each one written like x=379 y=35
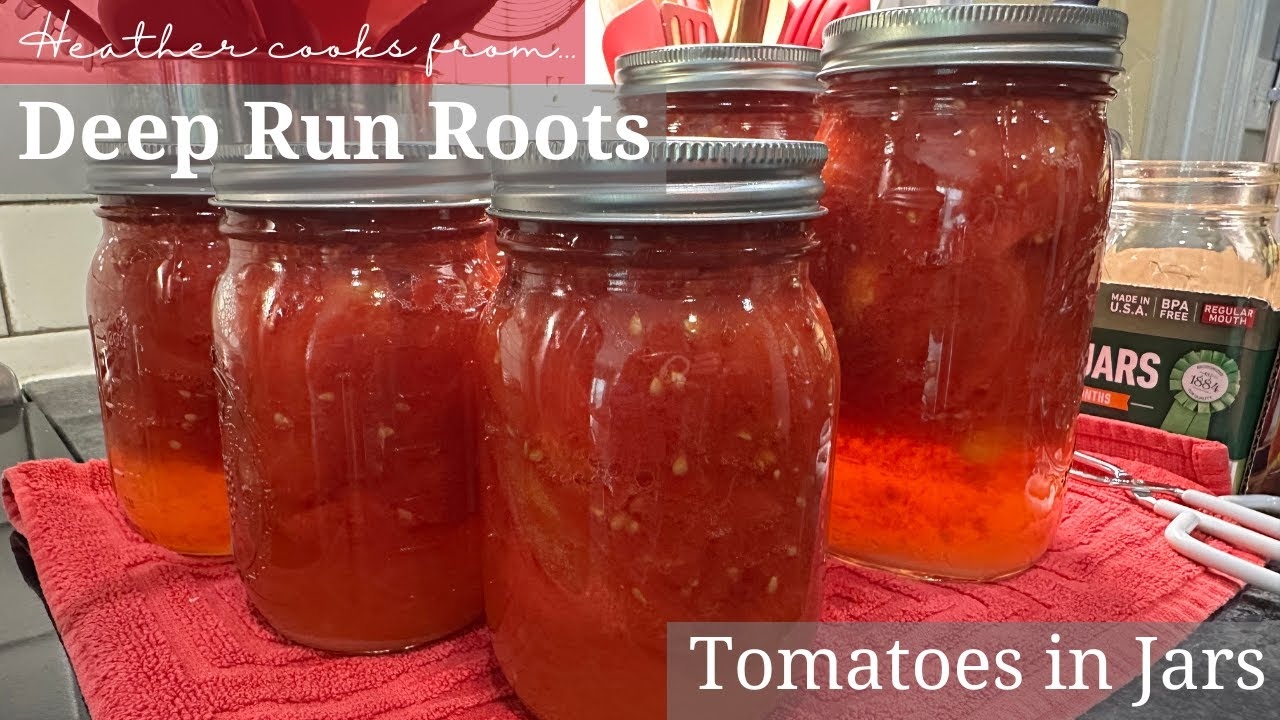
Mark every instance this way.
x=154 y=636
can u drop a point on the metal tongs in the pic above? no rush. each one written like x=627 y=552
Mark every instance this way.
x=1243 y=521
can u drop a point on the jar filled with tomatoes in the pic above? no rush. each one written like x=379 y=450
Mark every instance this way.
x=658 y=395
x=345 y=339
x=149 y=293
x=968 y=186
x=724 y=91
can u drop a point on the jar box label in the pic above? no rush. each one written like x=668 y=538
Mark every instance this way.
x=1196 y=364
x=1228 y=315
x=1106 y=398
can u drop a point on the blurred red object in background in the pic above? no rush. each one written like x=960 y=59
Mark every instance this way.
x=630 y=25
x=812 y=16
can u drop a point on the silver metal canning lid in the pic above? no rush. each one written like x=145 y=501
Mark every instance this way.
x=1063 y=36
x=702 y=68
x=414 y=182
x=129 y=175
x=679 y=181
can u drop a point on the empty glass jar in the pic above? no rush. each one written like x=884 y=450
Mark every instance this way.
x=1186 y=329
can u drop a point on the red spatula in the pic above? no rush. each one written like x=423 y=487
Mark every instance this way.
x=515 y=21
x=688 y=22
x=207 y=23
x=337 y=23
x=77 y=19
x=808 y=21
x=448 y=20
x=284 y=22
x=639 y=27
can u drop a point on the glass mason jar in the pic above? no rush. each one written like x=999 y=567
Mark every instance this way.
x=658 y=394
x=724 y=91
x=150 y=291
x=968 y=187
x=1187 y=325
x=345 y=340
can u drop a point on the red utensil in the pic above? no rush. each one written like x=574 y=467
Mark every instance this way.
x=80 y=22
x=282 y=21
x=207 y=23
x=382 y=15
x=336 y=23
x=807 y=22
x=451 y=20
x=639 y=27
x=688 y=23
x=520 y=20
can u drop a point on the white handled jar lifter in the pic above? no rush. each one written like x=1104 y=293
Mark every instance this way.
x=1243 y=521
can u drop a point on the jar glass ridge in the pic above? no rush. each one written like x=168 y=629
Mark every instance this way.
x=149 y=292
x=731 y=113
x=723 y=90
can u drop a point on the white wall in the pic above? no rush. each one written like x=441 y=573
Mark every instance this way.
x=597 y=72
x=45 y=250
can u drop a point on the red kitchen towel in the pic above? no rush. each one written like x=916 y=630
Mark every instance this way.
x=1200 y=461
x=155 y=636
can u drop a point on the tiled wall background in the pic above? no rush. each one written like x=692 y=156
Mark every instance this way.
x=45 y=249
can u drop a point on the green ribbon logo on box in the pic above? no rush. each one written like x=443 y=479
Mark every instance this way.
x=1204 y=382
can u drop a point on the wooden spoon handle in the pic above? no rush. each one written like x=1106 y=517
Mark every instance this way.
x=775 y=19
x=748 y=21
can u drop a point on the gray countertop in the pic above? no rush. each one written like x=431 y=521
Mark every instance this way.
x=71 y=404
x=36 y=679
